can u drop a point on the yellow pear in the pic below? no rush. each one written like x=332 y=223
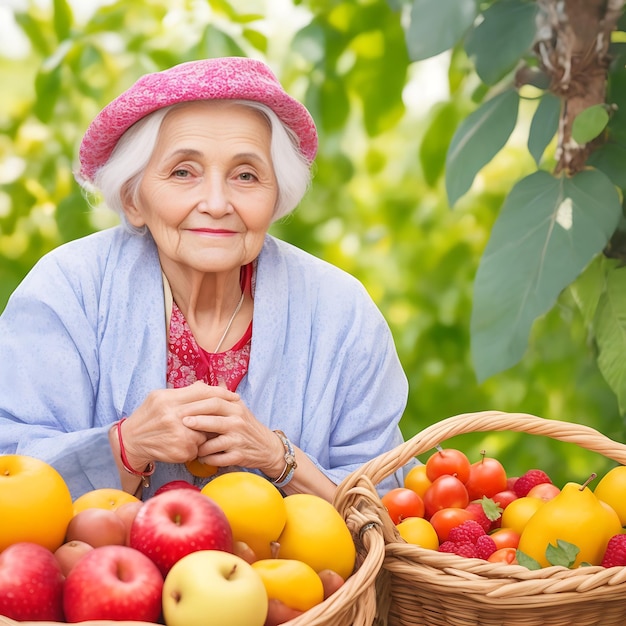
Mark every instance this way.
x=576 y=516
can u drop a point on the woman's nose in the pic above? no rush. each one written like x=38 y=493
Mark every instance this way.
x=214 y=198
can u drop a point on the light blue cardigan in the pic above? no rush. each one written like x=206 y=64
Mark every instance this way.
x=83 y=341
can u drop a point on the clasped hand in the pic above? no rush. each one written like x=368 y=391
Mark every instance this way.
x=200 y=421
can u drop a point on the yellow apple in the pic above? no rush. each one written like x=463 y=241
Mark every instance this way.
x=213 y=588
x=316 y=533
x=611 y=489
x=296 y=584
x=35 y=501
x=104 y=498
x=254 y=507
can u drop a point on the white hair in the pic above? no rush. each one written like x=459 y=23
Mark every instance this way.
x=123 y=172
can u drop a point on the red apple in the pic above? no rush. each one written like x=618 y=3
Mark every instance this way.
x=70 y=553
x=113 y=583
x=97 y=527
x=178 y=522
x=544 y=491
x=31 y=583
x=176 y=484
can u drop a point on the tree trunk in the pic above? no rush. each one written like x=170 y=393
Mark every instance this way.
x=573 y=44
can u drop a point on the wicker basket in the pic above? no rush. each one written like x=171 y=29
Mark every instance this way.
x=417 y=586
x=352 y=604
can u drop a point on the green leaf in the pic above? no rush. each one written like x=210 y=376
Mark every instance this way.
x=63 y=19
x=492 y=509
x=380 y=59
x=544 y=125
x=33 y=30
x=436 y=140
x=334 y=103
x=310 y=42
x=527 y=561
x=548 y=231
x=257 y=39
x=564 y=553
x=587 y=289
x=610 y=327
x=481 y=135
x=48 y=82
x=611 y=159
x=215 y=42
x=506 y=33
x=437 y=25
x=588 y=124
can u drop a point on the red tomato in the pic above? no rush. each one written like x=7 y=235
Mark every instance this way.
x=487 y=477
x=504 y=555
x=444 y=520
x=448 y=461
x=445 y=492
x=402 y=503
x=505 y=538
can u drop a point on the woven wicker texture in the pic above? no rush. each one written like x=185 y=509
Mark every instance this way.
x=425 y=587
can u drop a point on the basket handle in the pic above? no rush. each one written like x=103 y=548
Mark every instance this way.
x=382 y=466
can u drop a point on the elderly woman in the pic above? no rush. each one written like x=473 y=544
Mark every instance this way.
x=187 y=338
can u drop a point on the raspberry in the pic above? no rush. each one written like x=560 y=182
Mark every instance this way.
x=462 y=548
x=528 y=480
x=615 y=552
x=485 y=547
x=469 y=531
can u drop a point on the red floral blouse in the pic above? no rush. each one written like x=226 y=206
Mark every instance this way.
x=188 y=362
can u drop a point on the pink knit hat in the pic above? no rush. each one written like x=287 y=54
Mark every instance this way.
x=208 y=79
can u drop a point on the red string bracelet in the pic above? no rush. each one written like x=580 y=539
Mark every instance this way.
x=149 y=468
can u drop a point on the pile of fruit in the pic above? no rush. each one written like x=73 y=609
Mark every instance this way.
x=476 y=510
x=234 y=553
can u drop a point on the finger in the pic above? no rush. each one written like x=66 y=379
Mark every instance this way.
x=331 y=582
x=208 y=415
x=279 y=613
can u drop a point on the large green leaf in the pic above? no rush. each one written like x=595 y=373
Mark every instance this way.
x=436 y=140
x=505 y=34
x=63 y=19
x=588 y=288
x=544 y=125
x=547 y=233
x=610 y=327
x=437 y=25
x=481 y=135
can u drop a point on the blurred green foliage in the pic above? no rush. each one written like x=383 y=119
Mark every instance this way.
x=377 y=207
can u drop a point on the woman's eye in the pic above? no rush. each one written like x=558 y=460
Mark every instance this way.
x=246 y=176
x=181 y=173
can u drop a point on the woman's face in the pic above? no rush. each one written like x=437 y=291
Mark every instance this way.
x=209 y=190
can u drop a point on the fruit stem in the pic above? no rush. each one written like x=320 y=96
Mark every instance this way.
x=232 y=571
x=586 y=483
x=274 y=549
x=483 y=454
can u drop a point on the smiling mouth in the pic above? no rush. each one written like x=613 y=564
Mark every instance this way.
x=212 y=231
